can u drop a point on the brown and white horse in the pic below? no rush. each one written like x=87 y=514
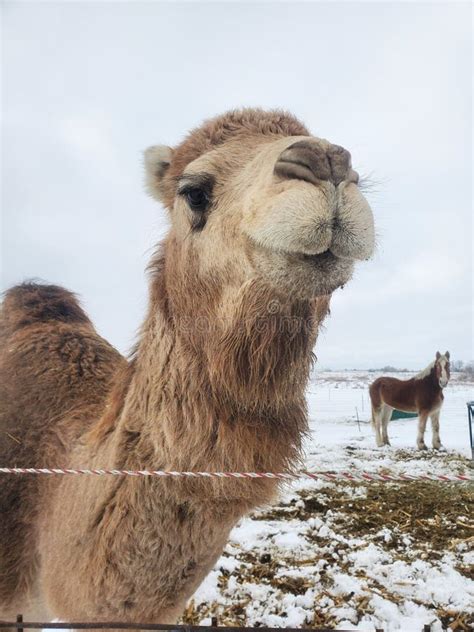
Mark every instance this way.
x=422 y=394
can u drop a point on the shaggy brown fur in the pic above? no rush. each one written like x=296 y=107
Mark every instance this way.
x=216 y=383
x=55 y=373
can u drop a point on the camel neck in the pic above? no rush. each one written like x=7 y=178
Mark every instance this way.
x=193 y=420
x=185 y=406
x=189 y=401
x=221 y=391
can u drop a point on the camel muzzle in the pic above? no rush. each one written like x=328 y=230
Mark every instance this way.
x=307 y=160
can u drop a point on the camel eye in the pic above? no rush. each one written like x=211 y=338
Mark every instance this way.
x=196 y=189
x=197 y=199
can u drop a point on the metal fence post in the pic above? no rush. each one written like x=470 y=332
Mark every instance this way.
x=19 y=619
x=470 y=416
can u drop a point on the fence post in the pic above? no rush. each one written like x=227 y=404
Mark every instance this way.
x=470 y=419
x=19 y=619
x=214 y=622
x=427 y=627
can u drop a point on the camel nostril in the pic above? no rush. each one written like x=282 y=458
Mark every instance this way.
x=340 y=161
x=307 y=160
x=304 y=161
x=291 y=169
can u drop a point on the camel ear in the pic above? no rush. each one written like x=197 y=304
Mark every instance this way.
x=157 y=162
x=447 y=354
x=438 y=355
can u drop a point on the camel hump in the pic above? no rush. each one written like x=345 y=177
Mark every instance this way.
x=34 y=303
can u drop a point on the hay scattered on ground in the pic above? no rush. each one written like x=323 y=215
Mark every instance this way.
x=438 y=516
x=419 y=520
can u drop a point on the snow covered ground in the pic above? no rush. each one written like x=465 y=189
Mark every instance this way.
x=356 y=556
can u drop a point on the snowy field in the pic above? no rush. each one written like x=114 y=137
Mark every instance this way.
x=356 y=556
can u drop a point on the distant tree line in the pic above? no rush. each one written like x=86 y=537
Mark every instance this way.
x=388 y=369
x=456 y=365
x=463 y=367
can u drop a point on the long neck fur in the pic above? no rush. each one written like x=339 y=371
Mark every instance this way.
x=227 y=395
x=203 y=393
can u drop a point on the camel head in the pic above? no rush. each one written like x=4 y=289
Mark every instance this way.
x=253 y=195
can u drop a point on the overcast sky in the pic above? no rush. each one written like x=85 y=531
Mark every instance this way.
x=88 y=86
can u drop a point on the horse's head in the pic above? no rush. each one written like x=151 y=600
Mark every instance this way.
x=442 y=371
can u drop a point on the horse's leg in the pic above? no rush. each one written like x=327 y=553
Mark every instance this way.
x=377 y=424
x=420 y=440
x=435 y=428
x=386 y=414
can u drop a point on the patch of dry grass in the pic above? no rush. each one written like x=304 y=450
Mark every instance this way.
x=429 y=518
x=439 y=515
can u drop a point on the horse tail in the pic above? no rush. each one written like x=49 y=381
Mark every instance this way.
x=375 y=398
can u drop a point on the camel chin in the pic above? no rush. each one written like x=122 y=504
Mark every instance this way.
x=326 y=272
x=305 y=276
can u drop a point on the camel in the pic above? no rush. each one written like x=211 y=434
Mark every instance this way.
x=422 y=394
x=266 y=221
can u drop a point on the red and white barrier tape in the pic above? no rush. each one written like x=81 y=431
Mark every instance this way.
x=318 y=475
